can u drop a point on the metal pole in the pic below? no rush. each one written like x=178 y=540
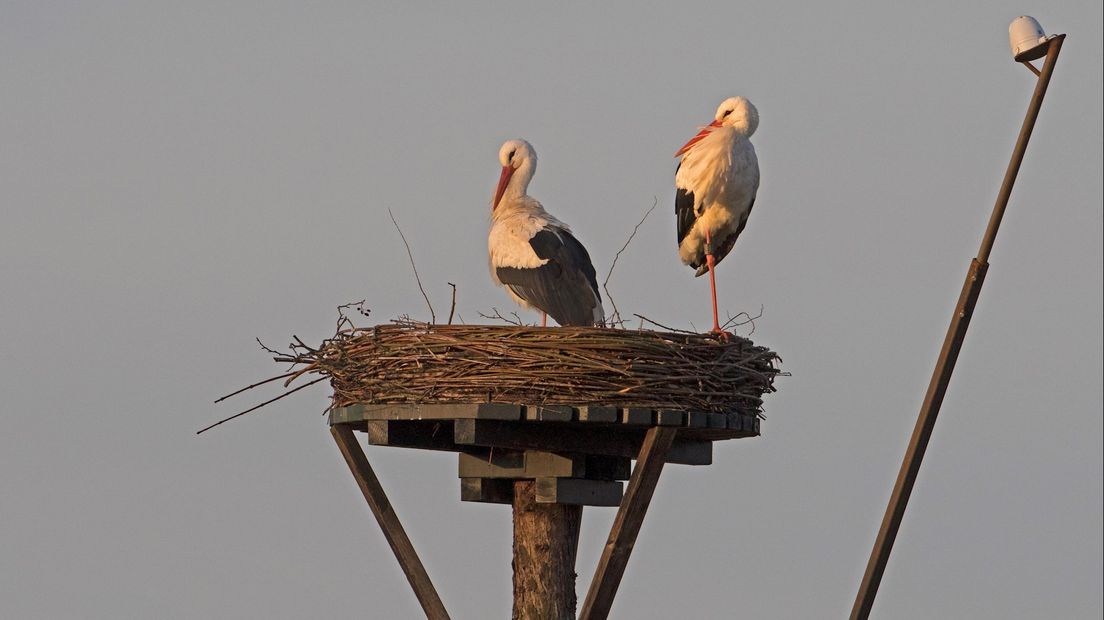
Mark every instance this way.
x=952 y=344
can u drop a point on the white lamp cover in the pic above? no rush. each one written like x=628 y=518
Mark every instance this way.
x=1027 y=38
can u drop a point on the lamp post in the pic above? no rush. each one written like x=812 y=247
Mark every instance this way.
x=1028 y=42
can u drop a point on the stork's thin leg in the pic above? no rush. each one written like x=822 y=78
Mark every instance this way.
x=544 y=319
x=712 y=281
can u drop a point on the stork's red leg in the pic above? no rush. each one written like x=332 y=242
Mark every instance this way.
x=544 y=319
x=710 y=263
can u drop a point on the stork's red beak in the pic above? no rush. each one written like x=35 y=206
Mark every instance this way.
x=503 y=181
x=698 y=138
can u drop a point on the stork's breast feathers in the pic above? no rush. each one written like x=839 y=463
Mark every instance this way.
x=509 y=244
x=718 y=169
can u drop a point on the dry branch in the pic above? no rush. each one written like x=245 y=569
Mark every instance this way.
x=615 y=319
x=410 y=255
x=452 y=308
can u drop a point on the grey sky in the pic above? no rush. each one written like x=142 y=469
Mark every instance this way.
x=178 y=178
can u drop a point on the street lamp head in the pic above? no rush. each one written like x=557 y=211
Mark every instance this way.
x=1027 y=39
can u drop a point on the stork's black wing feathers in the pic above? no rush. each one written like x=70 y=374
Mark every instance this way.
x=562 y=246
x=562 y=287
x=684 y=210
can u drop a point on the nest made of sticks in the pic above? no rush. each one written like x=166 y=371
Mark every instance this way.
x=408 y=361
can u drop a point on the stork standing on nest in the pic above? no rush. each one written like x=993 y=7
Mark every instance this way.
x=715 y=184
x=534 y=255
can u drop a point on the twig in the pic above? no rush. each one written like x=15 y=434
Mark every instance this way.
x=432 y=314
x=269 y=349
x=267 y=402
x=732 y=320
x=250 y=387
x=670 y=329
x=617 y=313
x=750 y=319
x=498 y=315
x=344 y=320
x=452 y=309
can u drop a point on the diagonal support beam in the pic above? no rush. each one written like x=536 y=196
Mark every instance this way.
x=389 y=522
x=626 y=526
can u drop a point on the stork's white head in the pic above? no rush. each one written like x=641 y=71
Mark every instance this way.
x=735 y=112
x=519 y=162
x=738 y=113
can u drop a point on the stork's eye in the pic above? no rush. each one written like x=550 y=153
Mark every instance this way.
x=727 y=112
x=510 y=157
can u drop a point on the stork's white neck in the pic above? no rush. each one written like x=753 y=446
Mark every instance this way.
x=518 y=186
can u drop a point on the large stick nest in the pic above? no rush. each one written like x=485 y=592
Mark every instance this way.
x=412 y=362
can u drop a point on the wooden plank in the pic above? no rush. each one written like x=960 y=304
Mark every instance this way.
x=439 y=434
x=736 y=421
x=712 y=434
x=549 y=413
x=493 y=464
x=626 y=525
x=670 y=417
x=697 y=419
x=389 y=522
x=748 y=424
x=718 y=420
x=597 y=414
x=423 y=435
x=635 y=415
x=600 y=467
x=516 y=464
x=434 y=411
x=487 y=490
x=540 y=464
x=610 y=441
x=578 y=492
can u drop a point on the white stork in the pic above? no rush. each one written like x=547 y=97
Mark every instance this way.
x=533 y=255
x=715 y=184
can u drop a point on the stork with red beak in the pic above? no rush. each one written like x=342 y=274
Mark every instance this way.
x=715 y=184
x=534 y=255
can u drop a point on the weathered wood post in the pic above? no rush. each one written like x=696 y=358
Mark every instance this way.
x=546 y=540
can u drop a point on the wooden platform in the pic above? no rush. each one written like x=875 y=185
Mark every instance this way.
x=577 y=455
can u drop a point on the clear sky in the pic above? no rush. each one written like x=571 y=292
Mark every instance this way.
x=179 y=178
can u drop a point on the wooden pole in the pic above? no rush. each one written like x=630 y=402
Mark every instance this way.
x=546 y=540
x=389 y=522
